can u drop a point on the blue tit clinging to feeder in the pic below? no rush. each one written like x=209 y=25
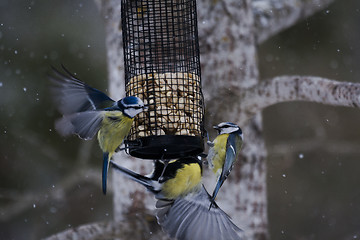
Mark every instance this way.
x=182 y=201
x=87 y=111
x=224 y=151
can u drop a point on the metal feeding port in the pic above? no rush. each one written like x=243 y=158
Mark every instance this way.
x=162 y=67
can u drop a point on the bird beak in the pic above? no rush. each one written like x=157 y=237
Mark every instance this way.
x=146 y=107
x=216 y=127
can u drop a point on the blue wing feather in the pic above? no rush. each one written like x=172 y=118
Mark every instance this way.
x=105 y=171
x=72 y=95
x=84 y=124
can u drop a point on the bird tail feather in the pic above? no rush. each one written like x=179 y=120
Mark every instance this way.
x=145 y=181
x=105 y=169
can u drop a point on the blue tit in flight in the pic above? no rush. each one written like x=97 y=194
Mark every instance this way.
x=223 y=152
x=87 y=111
x=182 y=201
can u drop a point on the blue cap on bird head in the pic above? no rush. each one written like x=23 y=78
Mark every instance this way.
x=131 y=106
x=130 y=100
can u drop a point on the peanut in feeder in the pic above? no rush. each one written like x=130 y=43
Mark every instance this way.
x=162 y=67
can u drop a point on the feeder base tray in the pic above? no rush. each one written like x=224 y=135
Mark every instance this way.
x=165 y=147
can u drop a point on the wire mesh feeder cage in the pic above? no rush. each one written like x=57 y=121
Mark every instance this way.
x=162 y=67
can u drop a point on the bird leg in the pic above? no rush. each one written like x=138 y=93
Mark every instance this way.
x=209 y=143
x=166 y=163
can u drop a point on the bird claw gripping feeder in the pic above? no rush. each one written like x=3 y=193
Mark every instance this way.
x=162 y=67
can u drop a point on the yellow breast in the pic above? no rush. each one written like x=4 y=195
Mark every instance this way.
x=114 y=128
x=186 y=180
x=219 y=152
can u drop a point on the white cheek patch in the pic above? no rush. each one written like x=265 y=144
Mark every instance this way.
x=132 y=112
x=228 y=130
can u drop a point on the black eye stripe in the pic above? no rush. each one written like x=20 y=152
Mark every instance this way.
x=135 y=107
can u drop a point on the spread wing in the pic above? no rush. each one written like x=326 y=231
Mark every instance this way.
x=84 y=124
x=190 y=218
x=72 y=95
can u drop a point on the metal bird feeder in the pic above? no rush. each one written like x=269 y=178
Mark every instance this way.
x=162 y=67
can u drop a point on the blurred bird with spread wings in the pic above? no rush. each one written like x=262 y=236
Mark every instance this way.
x=87 y=111
x=183 y=202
